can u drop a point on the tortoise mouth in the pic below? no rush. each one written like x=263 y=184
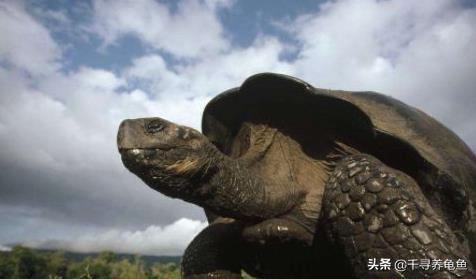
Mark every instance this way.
x=137 y=150
x=147 y=156
x=141 y=156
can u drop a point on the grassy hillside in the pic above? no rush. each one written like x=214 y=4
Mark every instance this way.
x=26 y=263
x=148 y=260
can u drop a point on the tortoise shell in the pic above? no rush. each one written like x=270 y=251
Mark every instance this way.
x=400 y=135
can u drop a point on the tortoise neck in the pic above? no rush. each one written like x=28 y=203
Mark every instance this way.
x=230 y=189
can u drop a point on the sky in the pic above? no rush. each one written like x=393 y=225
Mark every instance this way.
x=70 y=71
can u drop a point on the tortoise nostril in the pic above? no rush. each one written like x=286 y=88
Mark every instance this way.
x=154 y=126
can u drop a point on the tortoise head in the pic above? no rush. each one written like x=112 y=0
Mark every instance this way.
x=165 y=155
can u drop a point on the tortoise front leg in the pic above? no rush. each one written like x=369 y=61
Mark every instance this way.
x=215 y=252
x=375 y=212
x=278 y=230
x=226 y=246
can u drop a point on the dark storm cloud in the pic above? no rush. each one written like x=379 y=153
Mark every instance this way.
x=96 y=198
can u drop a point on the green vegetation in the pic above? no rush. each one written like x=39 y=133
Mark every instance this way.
x=25 y=263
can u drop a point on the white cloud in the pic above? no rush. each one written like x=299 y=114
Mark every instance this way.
x=5 y=248
x=227 y=70
x=193 y=30
x=60 y=130
x=25 y=43
x=154 y=240
x=63 y=132
x=181 y=93
x=208 y=77
x=219 y=4
x=421 y=52
x=71 y=109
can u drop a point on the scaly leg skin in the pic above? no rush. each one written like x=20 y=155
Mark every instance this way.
x=375 y=212
x=278 y=230
x=214 y=252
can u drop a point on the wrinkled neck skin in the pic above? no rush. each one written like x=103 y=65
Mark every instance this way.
x=224 y=185
x=246 y=191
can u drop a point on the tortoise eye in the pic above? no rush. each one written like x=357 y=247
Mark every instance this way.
x=154 y=126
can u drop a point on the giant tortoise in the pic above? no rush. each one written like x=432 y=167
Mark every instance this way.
x=298 y=181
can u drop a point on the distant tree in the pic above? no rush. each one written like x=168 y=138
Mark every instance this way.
x=107 y=257
x=76 y=270
x=165 y=271
x=6 y=265
x=126 y=269
x=90 y=268
x=56 y=265
x=27 y=264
